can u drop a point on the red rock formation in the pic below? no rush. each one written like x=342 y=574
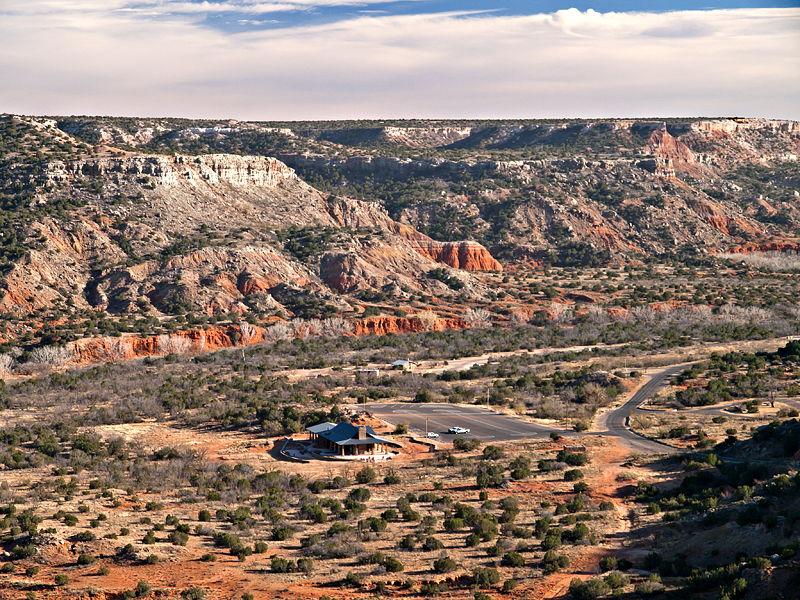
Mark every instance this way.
x=663 y=145
x=766 y=247
x=469 y=256
x=108 y=348
x=397 y=325
x=247 y=283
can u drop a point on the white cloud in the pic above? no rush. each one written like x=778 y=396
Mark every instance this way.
x=99 y=59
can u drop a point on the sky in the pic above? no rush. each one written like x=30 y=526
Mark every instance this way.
x=375 y=59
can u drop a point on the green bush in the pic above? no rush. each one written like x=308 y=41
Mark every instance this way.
x=360 y=495
x=61 y=579
x=392 y=565
x=588 y=590
x=444 y=565
x=193 y=593
x=142 y=589
x=366 y=475
x=513 y=559
x=485 y=576
x=608 y=563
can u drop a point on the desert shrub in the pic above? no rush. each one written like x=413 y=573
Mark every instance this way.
x=23 y=552
x=352 y=579
x=260 y=547
x=193 y=593
x=61 y=579
x=392 y=479
x=360 y=495
x=178 y=538
x=647 y=588
x=431 y=543
x=408 y=542
x=204 y=515
x=553 y=562
x=32 y=571
x=573 y=475
x=314 y=513
x=142 y=589
x=86 y=559
x=152 y=559
x=366 y=475
x=208 y=557
x=430 y=589
x=588 y=590
x=495 y=550
x=392 y=565
x=453 y=524
x=551 y=542
x=608 y=563
x=281 y=565
x=305 y=565
x=616 y=580
x=513 y=559
x=389 y=514
x=283 y=533
x=444 y=565
x=8 y=568
x=509 y=585
x=485 y=576
x=316 y=487
x=473 y=540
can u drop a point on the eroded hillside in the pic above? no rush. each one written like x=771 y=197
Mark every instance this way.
x=152 y=226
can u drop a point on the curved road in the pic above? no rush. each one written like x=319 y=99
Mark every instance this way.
x=616 y=421
x=490 y=426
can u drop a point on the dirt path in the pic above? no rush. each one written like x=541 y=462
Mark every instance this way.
x=604 y=486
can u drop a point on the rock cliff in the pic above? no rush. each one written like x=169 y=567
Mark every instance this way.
x=469 y=256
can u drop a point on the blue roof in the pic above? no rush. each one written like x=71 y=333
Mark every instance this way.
x=346 y=434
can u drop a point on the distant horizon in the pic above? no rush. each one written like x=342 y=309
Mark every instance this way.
x=383 y=120
x=311 y=60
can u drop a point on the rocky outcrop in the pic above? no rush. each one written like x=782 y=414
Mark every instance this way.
x=766 y=247
x=414 y=137
x=718 y=219
x=106 y=349
x=169 y=170
x=664 y=146
x=469 y=256
x=398 y=325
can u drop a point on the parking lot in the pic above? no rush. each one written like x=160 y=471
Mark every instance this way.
x=485 y=424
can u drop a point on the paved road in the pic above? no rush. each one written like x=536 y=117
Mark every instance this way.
x=484 y=424
x=616 y=421
x=490 y=426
